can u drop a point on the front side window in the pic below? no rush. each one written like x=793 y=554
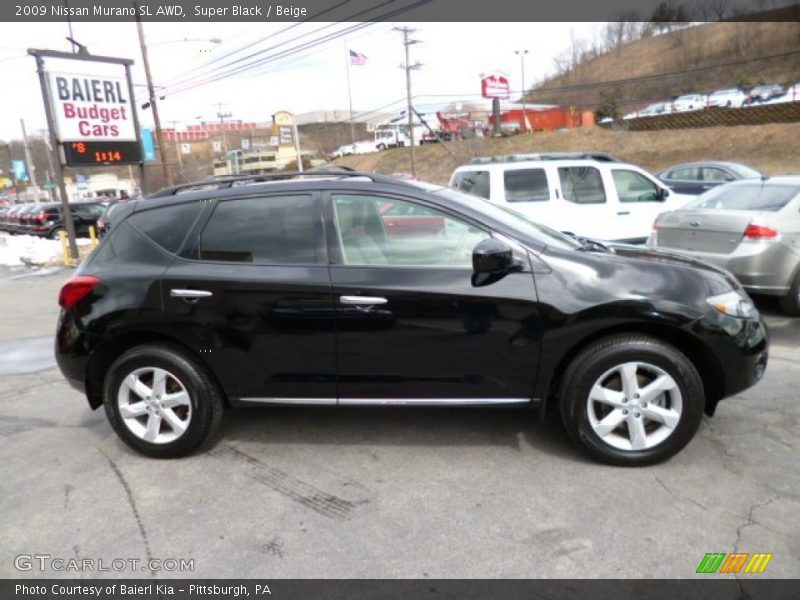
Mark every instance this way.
x=582 y=185
x=526 y=185
x=634 y=187
x=270 y=230
x=472 y=182
x=427 y=238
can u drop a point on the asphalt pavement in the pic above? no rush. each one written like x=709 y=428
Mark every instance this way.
x=366 y=493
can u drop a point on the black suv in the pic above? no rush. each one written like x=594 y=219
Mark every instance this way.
x=357 y=289
x=47 y=220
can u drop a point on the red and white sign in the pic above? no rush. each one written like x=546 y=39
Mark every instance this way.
x=91 y=108
x=495 y=86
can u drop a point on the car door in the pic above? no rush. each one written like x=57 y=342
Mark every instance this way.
x=582 y=205
x=413 y=324
x=252 y=294
x=640 y=198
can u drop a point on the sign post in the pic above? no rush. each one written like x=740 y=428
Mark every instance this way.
x=91 y=119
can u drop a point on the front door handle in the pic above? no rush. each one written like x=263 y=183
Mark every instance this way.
x=624 y=212
x=190 y=294
x=362 y=300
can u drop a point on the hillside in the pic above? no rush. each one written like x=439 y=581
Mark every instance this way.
x=701 y=58
x=774 y=149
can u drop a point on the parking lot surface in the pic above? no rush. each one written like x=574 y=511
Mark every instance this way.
x=367 y=493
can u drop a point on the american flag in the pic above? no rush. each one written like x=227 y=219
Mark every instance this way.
x=357 y=58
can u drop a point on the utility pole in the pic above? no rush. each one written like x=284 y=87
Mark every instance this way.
x=151 y=92
x=222 y=116
x=31 y=166
x=50 y=172
x=407 y=31
x=178 y=149
x=521 y=54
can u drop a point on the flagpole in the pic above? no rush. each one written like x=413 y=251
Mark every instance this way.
x=350 y=95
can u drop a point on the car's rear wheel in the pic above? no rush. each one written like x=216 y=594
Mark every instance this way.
x=56 y=233
x=161 y=402
x=790 y=303
x=631 y=400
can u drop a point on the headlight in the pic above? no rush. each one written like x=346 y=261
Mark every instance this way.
x=733 y=304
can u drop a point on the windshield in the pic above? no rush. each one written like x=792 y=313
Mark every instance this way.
x=508 y=217
x=747 y=196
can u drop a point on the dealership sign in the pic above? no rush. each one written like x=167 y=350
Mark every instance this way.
x=91 y=109
x=495 y=85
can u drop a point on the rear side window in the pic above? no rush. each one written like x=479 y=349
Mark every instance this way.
x=526 y=185
x=714 y=174
x=582 y=185
x=167 y=226
x=685 y=174
x=472 y=182
x=272 y=230
x=749 y=196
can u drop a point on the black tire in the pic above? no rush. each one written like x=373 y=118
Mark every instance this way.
x=56 y=233
x=381 y=147
x=790 y=303
x=206 y=399
x=600 y=357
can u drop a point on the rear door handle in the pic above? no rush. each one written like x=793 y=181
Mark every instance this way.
x=362 y=300
x=191 y=294
x=624 y=212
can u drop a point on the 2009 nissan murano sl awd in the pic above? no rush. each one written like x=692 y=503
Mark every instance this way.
x=356 y=289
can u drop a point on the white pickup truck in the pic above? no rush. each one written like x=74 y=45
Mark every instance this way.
x=587 y=194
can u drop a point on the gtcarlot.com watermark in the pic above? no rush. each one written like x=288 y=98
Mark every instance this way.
x=47 y=562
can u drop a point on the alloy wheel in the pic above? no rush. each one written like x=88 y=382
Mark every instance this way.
x=634 y=406
x=154 y=405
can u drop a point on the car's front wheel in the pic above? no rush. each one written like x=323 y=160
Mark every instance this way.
x=161 y=402
x=631 y=400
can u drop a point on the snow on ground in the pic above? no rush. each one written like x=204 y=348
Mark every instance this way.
x=17 y=250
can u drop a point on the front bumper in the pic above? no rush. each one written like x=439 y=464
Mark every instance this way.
x=741 y=347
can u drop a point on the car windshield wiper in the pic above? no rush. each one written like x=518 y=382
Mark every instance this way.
x=591 y=245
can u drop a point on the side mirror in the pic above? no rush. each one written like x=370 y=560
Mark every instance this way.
x=492 y=256
x=663 y=193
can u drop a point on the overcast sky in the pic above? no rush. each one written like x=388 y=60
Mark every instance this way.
x=454 y=55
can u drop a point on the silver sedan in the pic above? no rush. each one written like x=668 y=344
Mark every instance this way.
x=751 y=228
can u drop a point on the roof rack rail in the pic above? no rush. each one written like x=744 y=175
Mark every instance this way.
x=510 y=158
x=236 y=180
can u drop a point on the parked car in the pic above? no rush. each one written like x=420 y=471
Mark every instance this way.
x=47 y=220
x=6 y=217
x=292 y=292
x=729 y=97
x=652 y=110
x=14 y=223
x=699 y=177
x=689 y=102
x=764 y=93
x=590 y=195
x=751 y=228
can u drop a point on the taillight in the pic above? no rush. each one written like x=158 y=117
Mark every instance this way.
x=76 y=289
x=760 y=232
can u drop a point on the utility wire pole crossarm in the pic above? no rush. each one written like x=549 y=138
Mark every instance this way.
x=407 y=31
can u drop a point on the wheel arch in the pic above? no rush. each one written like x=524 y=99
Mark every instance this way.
x=110 y=350
x=704 y=360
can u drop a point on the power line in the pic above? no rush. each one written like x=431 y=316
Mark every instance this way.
x=314 y=42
